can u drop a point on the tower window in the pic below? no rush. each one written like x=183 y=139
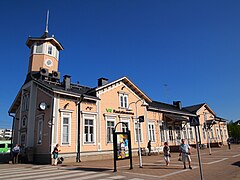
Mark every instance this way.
x=50 y=49
x=39 y=48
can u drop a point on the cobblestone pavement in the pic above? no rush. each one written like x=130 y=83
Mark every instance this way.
x=221 y=164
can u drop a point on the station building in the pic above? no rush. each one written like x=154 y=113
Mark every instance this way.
x=48 y=111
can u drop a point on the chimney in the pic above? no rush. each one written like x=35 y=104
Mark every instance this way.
x=102 y=81
x=67 y=82
x=178 y=104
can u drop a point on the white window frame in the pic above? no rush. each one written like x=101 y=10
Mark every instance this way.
x=178 y=133
x=109 y=119
x=123 y=100
x=40 y=130
x=212 y=135
x=204 y=132
x=93 y=118
x=170 y=133
x=69 y=116
x=151 y=132
x=127 y=121
x=135 y=132
x=190 y=129
x=162 y=133
x=35 y=48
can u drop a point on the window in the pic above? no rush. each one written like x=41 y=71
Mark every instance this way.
x=151 y=132
x=40 y=131
x=110 y=128
x=170 y=133
x=162 y=133
x=123 y=100
x=65 y=135
x=39 y=48
x=125 y=121
x=184 y=133
x=138 y=132
x=178 y=133
x=88 y=131
x=66 y=128
x=204 y=132
x=218 y=134
x=50 y=49
x=25 y=102
x=191 y=133
x=212 y=136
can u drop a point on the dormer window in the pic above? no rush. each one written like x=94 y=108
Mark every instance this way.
x=123 y=100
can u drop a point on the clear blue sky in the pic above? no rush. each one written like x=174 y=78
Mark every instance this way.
x=172 y=50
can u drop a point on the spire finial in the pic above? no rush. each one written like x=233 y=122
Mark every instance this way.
x=46 y=30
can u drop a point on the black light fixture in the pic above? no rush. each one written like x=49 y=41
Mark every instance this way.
x=43 y=106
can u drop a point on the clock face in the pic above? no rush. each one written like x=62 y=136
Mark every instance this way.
x=48 y=62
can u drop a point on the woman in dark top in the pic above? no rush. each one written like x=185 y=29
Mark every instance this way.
x=55 y=154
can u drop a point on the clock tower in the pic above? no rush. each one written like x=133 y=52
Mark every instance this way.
x=44 y=52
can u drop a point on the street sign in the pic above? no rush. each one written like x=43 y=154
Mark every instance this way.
x=194 y=121
x=141 y=119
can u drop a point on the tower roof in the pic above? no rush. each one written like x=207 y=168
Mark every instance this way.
x=44 y=38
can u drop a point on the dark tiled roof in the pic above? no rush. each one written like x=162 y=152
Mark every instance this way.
x=194 y=108
x=168 y=108
x=75 y=89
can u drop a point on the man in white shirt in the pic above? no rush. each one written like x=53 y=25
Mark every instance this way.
x=185 y=151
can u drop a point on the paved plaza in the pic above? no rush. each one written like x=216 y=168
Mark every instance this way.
x=222 y=164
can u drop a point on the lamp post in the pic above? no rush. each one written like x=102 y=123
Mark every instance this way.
x=138 y=124
x=208 y=128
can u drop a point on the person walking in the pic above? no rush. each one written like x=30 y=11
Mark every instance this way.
x=55 y=154
x=15 y=151
x=166 y=153
x=229 y=143
x=149 y=147
x=185 y=151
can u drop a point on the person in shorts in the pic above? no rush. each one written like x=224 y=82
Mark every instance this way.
x=166 y=153
x=185 y=152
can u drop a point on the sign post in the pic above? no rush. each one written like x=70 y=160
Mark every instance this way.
x=194 y=121
x=122 y=146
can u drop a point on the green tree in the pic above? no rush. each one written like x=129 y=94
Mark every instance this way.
x=234 y=131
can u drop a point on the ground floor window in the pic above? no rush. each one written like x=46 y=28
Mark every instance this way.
x=170 y=133
x=184 y=133
x=110 y=128
x=65 y=128
x=126 y=122
x=151 y=132
x=204 y=133
x=191 y=133
x=178 y=133
x=162 y=135
x=138 y=132
x=88 y=130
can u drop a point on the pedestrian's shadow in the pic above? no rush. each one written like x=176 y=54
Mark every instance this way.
x=236 y=163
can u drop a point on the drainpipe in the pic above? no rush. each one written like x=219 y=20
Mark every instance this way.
x=12 y=130
x=78 y=131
